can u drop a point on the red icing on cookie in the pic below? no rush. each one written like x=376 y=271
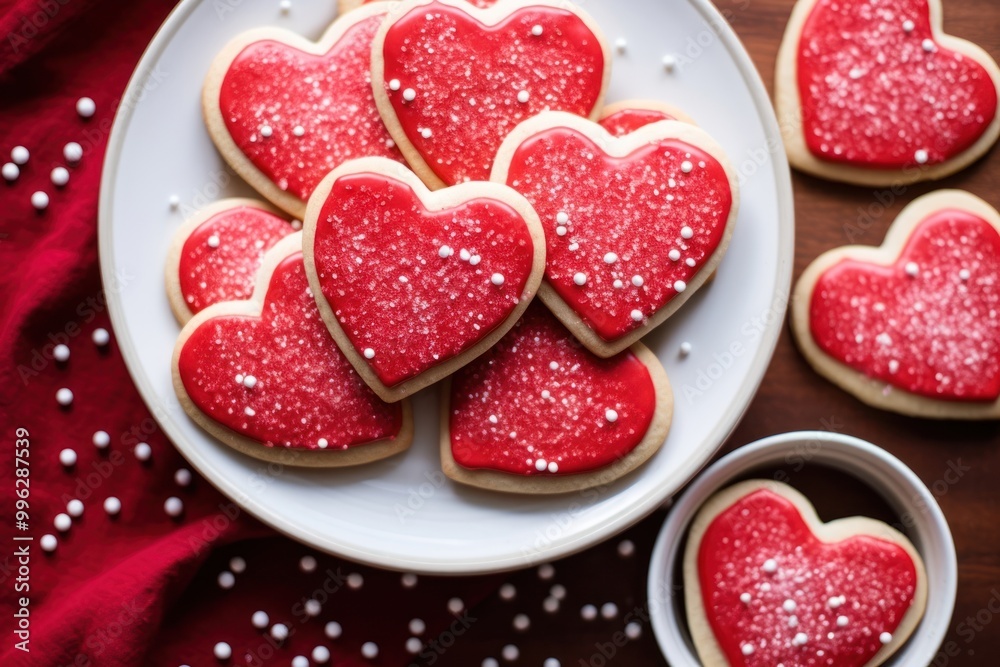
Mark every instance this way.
x=304 y=390
x=482 y=4
x=636 y=211
x=877 y=91
x=627 y=121
x=319 y=110
x=842 y=596
x=934 y=333
x=536 y=404
x=468 y=80
x=220 y=258
x=378 y=255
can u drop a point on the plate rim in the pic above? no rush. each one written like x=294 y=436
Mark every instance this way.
x=515 y=559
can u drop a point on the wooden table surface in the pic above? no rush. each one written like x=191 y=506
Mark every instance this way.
x=793 y=397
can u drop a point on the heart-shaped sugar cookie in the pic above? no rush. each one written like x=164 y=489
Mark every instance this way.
x=766 y=583
x=451 y=81
x=284 y=111
x=633 y=225
x=914 y=325
x=625 y=117
x=539 y=413
x=414 y=284
x=215 y=255
x=265 y=377
x=874 y=92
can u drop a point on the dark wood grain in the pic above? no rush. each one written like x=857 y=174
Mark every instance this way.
x=793 y=397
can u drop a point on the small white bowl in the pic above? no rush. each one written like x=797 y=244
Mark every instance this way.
x=924 y=522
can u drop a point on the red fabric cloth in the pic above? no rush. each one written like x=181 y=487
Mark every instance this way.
x=140 y=588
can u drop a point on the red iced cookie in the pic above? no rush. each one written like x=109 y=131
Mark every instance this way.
x=766 y=583
x=284 y=111
x=914 y=325
x=216 y=254
x=633 y=225
x=348 y=5
x=415 y=284
x=623 y=118
x=265 y=377
x=451 y=81
x=874 y=92
x=539 y=413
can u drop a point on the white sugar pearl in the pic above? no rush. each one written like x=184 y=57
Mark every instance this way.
x=508 y=592
x=637 y=315
x=490 y=662
x=537 y=30
x=101 y=439
x=580 y=279
x=510 y=653
x=143 y=451
x=64 y=396
x=610 y=258
x=546 y=571
x=394 y=85
x=321 y=654
x=523 y=97
x=237 y=564
x=444 y=252
x=112 y=505
x=611 y=415
x=680 y=286
x=553 y=365
x=553 y=467
x=497 y=279
x=842 y=621
x=550 y=604
x=912 y=269
x=747 y=649
x=48 y=543
x=588 y=612
x=40 y=200
x=62 y=522
x=417 y=626
x=408 y=580
x=835 y=602
x=560 y=230
x=685 y=348
x=633 y=630
x=61 y=353
x=920 y=156
x=10 y=171
x=85 y=107
x=789 y=605
x=690 y=262
x=686 y=232
x=409 y=94
x=464 y=255
x=770 y=566
x=626 y=548
x=964 y=274
x=621 y=44
x=686 y=166
x=266 y=131
x=298 y=131
x=609 y=610
x=674 y=255
x=174 y=202
x=369 y=650
x=637 y=281
x=285 y=6
x=745 y=598
x=455 y=605
x=562 y=217
x=279 y=632
x=222 y=651
x=617 y=284
x=214 y=241
x=475 y=259
x=67 y=457
x=307 y=564
x=75 y=507
x=800 y=639
x=928 y=45
x=558 y=592
x=226 y=579
x=182 y=477
x=669 y=62
x=313 y=607
x=260 y=620
x=19 y=155
x=300 y=661
x=369 y=353
x=355 y=581
x=249 y=382
x=541 y=464
x=333 y=630
x=100 y=337
x=885 y=638
x=173 y=506
x=59 y=176
x=521 y=622
x=73 y=152
x=908 y=25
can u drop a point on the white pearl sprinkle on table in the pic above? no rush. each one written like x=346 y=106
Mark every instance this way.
x=546 y=571
x=355 y=580
x=369 y=650
x=226 y=580
x=260 y=620
x=73 y=152
x=59 y=176
x=588 y=612
x=85 y=107
x=100 y=337
x=143 y=451
x=173 y=506
x=508 y=592
x=75 y=507
x=40 y=200
x=333 y=630
x=321 y=654
x=112 y=505
x=10 y=171
x=62 y=522
x=48 y=543
x=626 y=548
x=19 y=155
x=307 y=564
x=67 y=457
x=408 y=580
x=279 y=632
x=101 y=439
x=182 y=477
x=222 y=651
x=300 y=661
x=64 y=397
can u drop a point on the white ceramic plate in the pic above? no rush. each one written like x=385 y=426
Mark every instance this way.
x=402 y=513
x=924 y=523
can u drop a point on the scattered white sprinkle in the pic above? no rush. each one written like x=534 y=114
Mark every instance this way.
x=633 y=630
x=59 y=176
x=413 y=645
x=475 y=259
x=333 y=630
x=770 y=566
x=409 y=580
x=617 y=284
x=541 y=464
x=10 y=171
x=580 y=279
x=48 y=542
x=560 y=230
x=355 y=580
x=626 y=548
x=588 y=612
x=551 y=662
x=64 y=396
x=85 y=107
x=321 y=654
x=562 y=217
x=800 y=639
x=497 y=279
x=266 y=131
x=680 y=286
x=369 y=650
x=609 y=610
x=690 y=262
x=182 y=477
x=490 y=662
x=553 y=365
x=912 y=269
x=100 y=337
x=143 y=451
x=610 y=258
x=409 y=95
x=885 y=638
x=322 y=443
x=523 y=97
x=669 y=62
x=260 y=620
x=40 y=200
x=908 y=25
x=637 y=315
x=550 y=604
x=426 y=133
x=686 y=348
x=920 y=156
x=73 y=152
x=637 y=281
x=745 y=598
x=835 y=602
x=964 y=274
x=553 y=467
x=464 y=255
x=621 y=44
x=226 y=579
x=508 y=592
x=62 y=522
x=611 y=415
x=67 y=457
x=279 y=632
x=173 y=506
x=249 y=412
x=285 y=6
x=19 y=155
x=789 y=605
x=112 y=505
x=222 y=651
x=417 y=626
x=61 y=353
x=300 y=661
x=455 y=605
x=237 y=564
x=521 y=622
x=537 y=30
x=686 y=232
x=214 y=241
x=674 y=255
x=510 y=653
x=174 y=201
x=686 y=166
x=445 y=251
x=75 y=507
x=369 y=353
x=249 y=381
x=307 y=564
x=928 y=45
x=747 y=649
x=394 y=85
x=546 y=571
x=842 y=621
x=298 y=131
